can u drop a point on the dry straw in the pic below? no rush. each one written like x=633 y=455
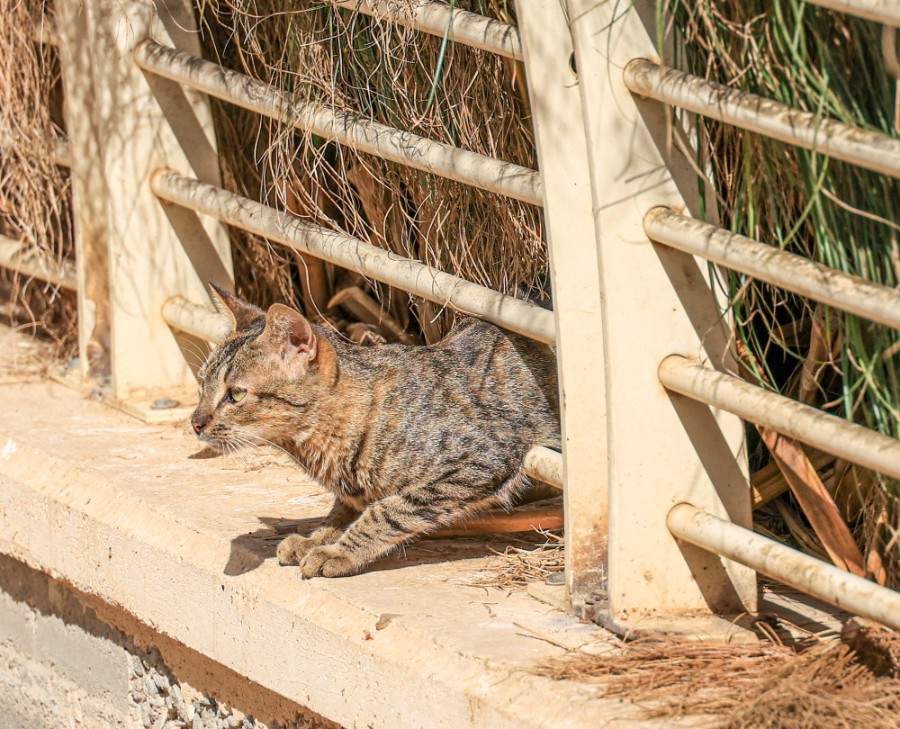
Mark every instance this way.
x=34 y=191
x=764 y=686
x=411 y=81
x=523 y=562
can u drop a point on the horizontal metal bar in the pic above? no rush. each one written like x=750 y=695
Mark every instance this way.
x=881 y=11
x=11 y=256
x=795 y=273
x=787 y=565
x=545 y=465
x=871 y=150
x=403 y=273
x=541 y=463
x=826 y=432
x=365 y=135
x=440 y=19
x=200 y=321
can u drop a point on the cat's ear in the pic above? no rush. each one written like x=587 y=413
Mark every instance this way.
x=239 y=311
x=290 y=335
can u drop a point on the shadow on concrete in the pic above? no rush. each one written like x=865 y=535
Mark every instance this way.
x=249 y=551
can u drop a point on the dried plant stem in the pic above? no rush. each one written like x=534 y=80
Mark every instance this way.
x=816 y=357
x=740 y=686
x=874 y=557
x=769 y=482
x=504 y=523
x=314 y=283
x=815 y=501
x=366 y=309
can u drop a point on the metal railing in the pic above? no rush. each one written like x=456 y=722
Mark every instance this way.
x=702 y=383
x=15 y=256
x=572 y=126
x=773 y=119
x=404 y=273
x=880 y=11
x=362 y=135
x=795 y=273
x=459 y=26
x=785 y=564
x=805 y=423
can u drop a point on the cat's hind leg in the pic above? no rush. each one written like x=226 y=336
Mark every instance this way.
x=293 y=548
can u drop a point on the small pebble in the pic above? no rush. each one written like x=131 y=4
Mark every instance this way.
x=145 y=716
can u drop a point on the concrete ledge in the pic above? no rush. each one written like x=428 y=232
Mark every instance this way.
x=124 y=512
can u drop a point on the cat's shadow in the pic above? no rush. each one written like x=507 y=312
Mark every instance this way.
x=249 y=551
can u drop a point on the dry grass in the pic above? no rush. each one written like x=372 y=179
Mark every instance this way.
x=383 y=71
x=516 y=566
x=742 y=686
x=34 y=192
x=876 y=647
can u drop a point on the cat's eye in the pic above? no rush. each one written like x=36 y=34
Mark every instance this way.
x=236 y=394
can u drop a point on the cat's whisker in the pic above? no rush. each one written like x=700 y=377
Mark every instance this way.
x=191 y=359
x=190 y=348
x=266 y=441
x=236 y=443
x=236 y=452
x=241 y=444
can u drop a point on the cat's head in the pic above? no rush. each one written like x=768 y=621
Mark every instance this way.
x=260 y=385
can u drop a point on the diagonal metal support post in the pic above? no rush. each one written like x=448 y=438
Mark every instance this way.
x=563 y=162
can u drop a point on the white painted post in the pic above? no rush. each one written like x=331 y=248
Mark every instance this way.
x=88 y=192
x=563 y=161
x=123 y=126
x=663 y=449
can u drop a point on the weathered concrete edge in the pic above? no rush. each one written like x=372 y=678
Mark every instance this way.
x=285 y=635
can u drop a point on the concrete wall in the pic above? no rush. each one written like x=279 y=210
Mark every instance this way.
x=67 y=660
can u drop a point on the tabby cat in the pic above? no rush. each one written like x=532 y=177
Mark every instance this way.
x=407 y=438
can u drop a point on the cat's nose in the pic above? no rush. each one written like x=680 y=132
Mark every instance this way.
x=198 y=422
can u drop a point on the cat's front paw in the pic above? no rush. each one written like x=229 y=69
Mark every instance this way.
x=292 y=549
x=330 y=561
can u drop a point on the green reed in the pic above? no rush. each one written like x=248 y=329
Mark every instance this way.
x=846 y=217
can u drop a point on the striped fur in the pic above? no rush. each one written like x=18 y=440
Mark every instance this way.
x=408 y=439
